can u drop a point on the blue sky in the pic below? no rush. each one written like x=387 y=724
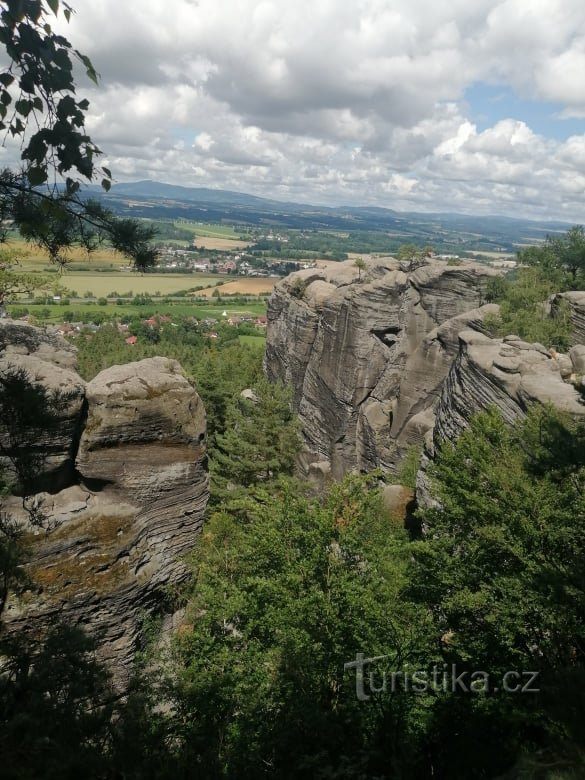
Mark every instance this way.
x=489 y=104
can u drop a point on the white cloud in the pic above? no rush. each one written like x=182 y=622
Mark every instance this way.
x=335 y=101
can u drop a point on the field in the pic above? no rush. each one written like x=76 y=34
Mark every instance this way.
x=128 y=283
x=31 y=258
x=253 y=341
x=195 y=309
x=207 y=229
x=221 y=244
x=244 y=286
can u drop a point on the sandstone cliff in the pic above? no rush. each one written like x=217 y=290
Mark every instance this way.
x=509 y=374
x=366 y=356
x=134 y=500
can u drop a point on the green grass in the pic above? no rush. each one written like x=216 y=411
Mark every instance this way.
x=253 y=341
x=198 y=310
x=208 y=229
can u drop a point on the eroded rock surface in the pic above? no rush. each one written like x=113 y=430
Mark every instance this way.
x=364 y=356
x=576 y=303
x=116 y=536
x=49 y=362
x=508 y=374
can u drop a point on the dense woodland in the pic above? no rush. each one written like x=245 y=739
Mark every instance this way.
x=288 y=585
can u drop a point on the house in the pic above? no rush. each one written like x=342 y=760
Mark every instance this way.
x=131 y=340
x=262 y=321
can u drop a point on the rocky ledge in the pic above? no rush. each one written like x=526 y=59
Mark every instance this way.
x=115 y=534
x=508 y=374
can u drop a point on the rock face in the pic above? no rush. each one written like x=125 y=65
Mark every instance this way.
x=576 y=303
x=509 y=374
x=116 y=535
x=49 y=362
x=366 y=356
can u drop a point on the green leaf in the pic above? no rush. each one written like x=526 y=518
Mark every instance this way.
x=54 y=6
x=23 y=107
x=6 y=79
x=89 y=68
x=36 y=176
x=106 y=184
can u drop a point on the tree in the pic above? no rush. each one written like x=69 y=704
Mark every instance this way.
x=502 y=571
x=413 y=255
x=260 y=442
x=13 y=283
x=559 y=255
x=361 y=265
x=39 y=106
x=282 y=596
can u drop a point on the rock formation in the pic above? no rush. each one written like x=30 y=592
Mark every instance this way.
x=507 y=373
x=576 y=304
x=366 y=357
x=115 y=535
x=49 y=362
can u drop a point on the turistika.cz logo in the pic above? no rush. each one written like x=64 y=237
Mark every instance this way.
x=372 y=680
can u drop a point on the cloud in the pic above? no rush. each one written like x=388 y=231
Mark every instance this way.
x=331 y=101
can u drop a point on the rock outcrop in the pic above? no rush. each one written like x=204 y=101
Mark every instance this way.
x=49 y=362
x=366 y=356
x=576 y=303
x=508 y=374
x=115 y=536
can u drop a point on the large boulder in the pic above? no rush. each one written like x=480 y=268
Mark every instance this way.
x=112 y=543
x=21 y=338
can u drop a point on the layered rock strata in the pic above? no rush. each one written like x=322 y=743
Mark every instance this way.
x=508 y=374
x=116 y=535
x=48 y=362
x=365 y=353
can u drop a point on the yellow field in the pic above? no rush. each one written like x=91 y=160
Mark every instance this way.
x=246 y=286
x=31 y=257
x=222 y=244
x=123 y=282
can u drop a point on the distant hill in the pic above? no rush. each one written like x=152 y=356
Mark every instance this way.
x=161 y=201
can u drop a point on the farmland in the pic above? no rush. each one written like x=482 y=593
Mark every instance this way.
x=128 y=283
x=244 y=286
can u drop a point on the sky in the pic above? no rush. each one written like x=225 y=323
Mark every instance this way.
x=469 y=106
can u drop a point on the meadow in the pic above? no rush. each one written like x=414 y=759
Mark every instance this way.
x=54 y=313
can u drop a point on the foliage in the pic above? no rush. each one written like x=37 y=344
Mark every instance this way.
x=297 y=288
x=13 y=283
x=562 y=256
x=260 y=441
x=281 y=597
x=409 y=467
x=38 y=105
x=54 y=715
x=502 y=573
x=524 y=309
x=413 y=255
